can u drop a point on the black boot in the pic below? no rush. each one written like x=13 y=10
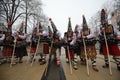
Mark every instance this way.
x=106 y=66
x=43 y=62
x=95 y=68
x=20 y=60
x=40 y=60
x=118 y=67
x=83 y=61
x=106 y=63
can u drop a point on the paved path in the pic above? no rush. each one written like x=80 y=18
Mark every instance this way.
x=53 y=72
x=25 y=71
x=81 y=73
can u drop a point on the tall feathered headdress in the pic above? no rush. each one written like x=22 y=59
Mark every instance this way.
x=49 y=30
x=40 y=27
x=104 y=21
x=76 y=28
x=55 y=34
x=53 y=25
x=21 y=27
x=84 y=24
x=69 y=24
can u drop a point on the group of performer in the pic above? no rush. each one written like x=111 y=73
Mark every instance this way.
x=80 y=42
x=74 y=39
x=8 y=41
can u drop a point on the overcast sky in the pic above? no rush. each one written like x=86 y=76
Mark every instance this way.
x=60 y=10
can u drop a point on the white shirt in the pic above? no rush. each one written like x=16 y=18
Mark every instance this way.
x=3 y=37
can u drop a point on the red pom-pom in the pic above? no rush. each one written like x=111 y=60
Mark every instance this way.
x=50 y=19
x=9 y=24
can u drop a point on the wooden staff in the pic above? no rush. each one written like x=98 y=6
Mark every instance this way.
x=13 y=52
x=69 y=59
x=85 y=52
x=30 y=45
x=29 y=49
x=29 y=52
x=36 y=51
x=107 y=53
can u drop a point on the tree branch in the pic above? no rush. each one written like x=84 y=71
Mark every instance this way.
x=17 y=17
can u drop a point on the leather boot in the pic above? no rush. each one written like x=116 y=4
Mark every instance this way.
x=106 y=66
x=95 y=68
x=118 y=67
x=43 y=62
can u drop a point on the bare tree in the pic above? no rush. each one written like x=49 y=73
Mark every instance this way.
x=12 y=10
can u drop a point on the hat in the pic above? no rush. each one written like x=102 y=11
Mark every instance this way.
x=76 y=27
x=103 y=17
x=84 y=25
x=21 y=27
x=69 y=24
x=53 y=25
x=40 y=27
x=49 y=30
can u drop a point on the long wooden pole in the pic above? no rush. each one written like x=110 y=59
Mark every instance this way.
x=13 y=52
x=30 y=44
x=69 y=59
x=29 y=52
x=85 y=52
x=36 y=51
x=107 y=53
x=31 y=40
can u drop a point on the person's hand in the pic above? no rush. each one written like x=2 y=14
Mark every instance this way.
x=118 y=37
x=39 y=34
x=84 y=37
x=17 y=33
x=102 y=29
